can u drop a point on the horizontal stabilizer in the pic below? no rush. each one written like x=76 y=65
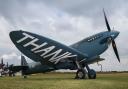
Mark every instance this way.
x=23 y=66
x=17 y=68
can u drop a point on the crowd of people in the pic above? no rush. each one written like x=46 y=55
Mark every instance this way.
x=4 y=70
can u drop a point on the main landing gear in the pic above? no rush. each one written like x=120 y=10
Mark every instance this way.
x=83 y=74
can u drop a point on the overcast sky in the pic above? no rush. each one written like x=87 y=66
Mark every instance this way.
x=66 y=21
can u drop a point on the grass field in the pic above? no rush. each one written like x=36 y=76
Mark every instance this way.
x=65 y=81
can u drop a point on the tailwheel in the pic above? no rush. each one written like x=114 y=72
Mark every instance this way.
x=24 y=76
x=80 y=74
x=91 y=74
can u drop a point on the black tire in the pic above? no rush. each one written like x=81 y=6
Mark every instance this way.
x=91 y=74
x=24 y=76
x=80 y=74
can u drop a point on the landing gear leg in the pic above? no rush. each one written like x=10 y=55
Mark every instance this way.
x=91 y=73
x=81 y=72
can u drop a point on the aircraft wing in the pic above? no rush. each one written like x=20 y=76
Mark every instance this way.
x=42 y=49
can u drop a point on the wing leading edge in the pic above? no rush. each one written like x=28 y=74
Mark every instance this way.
x=39 y=48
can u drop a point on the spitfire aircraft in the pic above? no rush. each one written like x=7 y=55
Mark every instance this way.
x=49 y=55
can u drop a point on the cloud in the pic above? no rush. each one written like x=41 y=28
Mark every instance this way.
x=88 y=8
x=11 y=58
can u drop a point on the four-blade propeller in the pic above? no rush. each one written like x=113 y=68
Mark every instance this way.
x=113 y=42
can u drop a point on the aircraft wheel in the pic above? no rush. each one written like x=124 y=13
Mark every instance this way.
x=24 y=76
x=80 y=74
x=91 y=74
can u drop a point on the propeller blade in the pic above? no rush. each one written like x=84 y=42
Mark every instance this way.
x=106 y=21
x=115 y=50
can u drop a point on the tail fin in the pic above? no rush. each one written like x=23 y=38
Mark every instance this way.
x=23 y=67
x=23 y=61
